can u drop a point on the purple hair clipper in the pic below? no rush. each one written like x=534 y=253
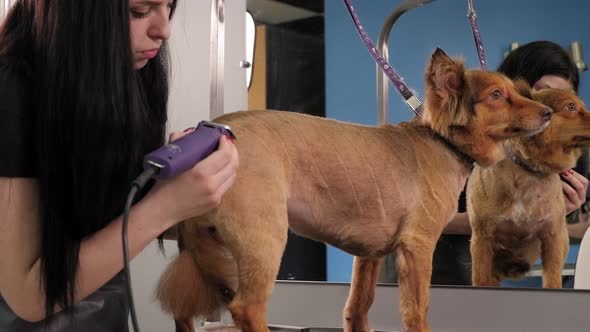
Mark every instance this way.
x=182 y=154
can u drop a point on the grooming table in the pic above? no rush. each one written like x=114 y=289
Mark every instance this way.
x=317 y=307
x=286 y=328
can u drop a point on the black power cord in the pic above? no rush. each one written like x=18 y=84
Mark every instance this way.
x=136 y=186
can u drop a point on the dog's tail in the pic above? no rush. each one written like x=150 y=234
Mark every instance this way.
x=509 y=266
x=200 y=281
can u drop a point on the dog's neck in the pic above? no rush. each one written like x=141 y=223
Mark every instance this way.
x=467 y=160
x=519 y=160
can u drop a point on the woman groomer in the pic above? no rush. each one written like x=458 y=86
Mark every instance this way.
x=83 y=94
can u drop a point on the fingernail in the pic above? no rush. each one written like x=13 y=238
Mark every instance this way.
x=571 y=171
x=229 y=138
x=188 y=129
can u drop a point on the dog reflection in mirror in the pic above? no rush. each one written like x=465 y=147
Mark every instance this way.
x=517 y=208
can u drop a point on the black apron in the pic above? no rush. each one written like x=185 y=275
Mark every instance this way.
x=104 y=311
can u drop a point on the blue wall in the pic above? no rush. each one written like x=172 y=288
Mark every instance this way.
x=350 y=70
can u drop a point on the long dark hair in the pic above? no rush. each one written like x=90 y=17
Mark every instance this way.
x=96 y=116
x=537 y=59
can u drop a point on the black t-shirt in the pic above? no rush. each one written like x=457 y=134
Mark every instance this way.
x=451 y=263
x=105 y=310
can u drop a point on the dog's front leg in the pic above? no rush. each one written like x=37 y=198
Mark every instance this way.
x=554 y=248
x=414 y=268
x=365 y=272
x=482 y=257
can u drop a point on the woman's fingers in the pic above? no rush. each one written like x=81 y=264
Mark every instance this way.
x=574 y=188
x=178 y=134
x=226 y=154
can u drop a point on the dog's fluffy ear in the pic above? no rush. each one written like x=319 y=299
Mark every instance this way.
x=445 y=75
x=445 y=88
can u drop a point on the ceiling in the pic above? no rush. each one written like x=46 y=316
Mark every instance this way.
x=283 y=11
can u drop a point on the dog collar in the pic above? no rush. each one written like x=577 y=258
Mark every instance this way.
x=470 y=162
x=520 y=162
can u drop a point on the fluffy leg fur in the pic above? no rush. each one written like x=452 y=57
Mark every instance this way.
x=184 y=291
x=201 y=279
x=482 y=256
x=362 y=293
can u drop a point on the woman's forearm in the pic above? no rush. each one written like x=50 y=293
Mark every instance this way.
x=100 y=259
x=577 y=230
x=101 y=255
x=191 y=193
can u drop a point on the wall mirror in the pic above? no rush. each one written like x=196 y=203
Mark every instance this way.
x=344 y=88
x=250 y=42
x=305 y=56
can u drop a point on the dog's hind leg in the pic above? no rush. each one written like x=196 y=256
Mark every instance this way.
x=554 y=246
x=258 y=266
x=258 y=246
x=362 y=292
x=414 y=268
x=482 y=257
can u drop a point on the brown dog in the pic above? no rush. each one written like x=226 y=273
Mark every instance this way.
x=516 y=208
x=366 y=190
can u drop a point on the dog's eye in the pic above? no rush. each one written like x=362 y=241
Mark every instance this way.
x=496 y=94
x=571 y=107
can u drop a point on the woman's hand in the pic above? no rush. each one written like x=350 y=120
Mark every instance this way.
x=199 y=189
x=574 y=189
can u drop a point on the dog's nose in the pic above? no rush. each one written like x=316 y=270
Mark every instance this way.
x=546 y=113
